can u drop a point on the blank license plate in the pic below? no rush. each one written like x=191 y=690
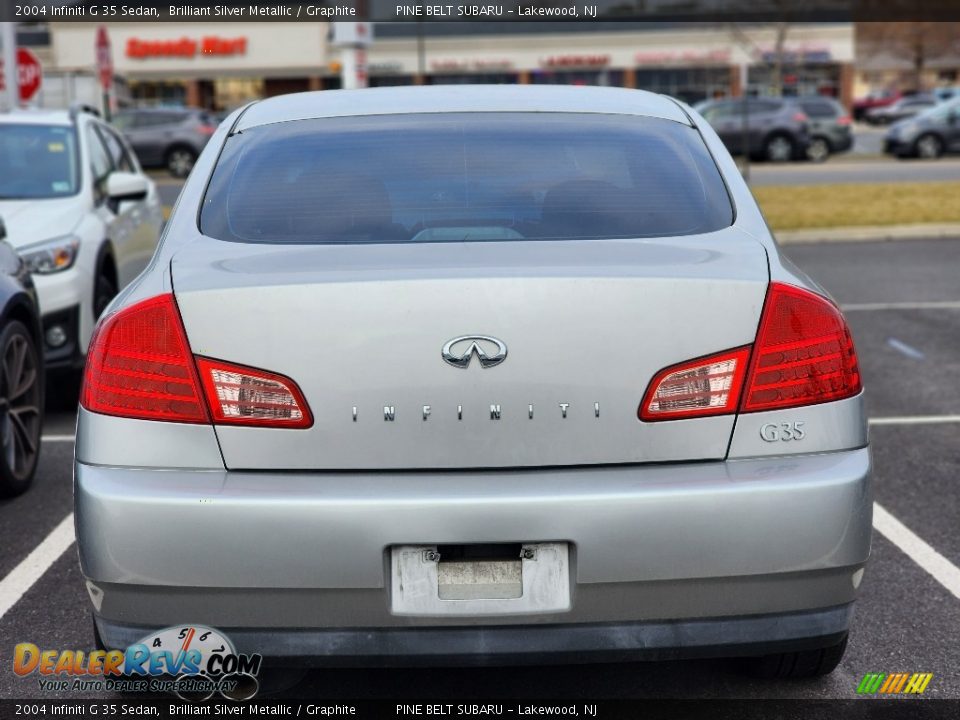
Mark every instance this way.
x=536 y=583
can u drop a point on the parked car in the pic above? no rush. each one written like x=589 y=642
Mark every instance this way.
x=829 y=125
x=928 y=135
x=167 y=137
x=777 y=128
x=504 y=368
x=942 y=94
x=81 y=213
x=900 y=110
x=874 y=99
x=21 y=373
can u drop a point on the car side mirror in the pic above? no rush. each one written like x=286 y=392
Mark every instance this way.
x=123 y=186
x=3 y=230
x=953 y=117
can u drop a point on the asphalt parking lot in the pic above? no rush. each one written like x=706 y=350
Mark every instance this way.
x=903 y=303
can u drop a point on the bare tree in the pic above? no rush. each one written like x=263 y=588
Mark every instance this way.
x=916 y=42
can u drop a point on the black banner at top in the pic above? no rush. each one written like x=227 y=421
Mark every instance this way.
x=607 y=11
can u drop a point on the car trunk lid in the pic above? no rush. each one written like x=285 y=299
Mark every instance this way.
x=361 y=329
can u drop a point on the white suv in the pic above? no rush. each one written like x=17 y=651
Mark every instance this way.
x=81 y=213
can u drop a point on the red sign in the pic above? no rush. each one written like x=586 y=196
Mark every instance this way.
x=186 y=47
x=104 y=59
x=29 y=74
x=565 y=61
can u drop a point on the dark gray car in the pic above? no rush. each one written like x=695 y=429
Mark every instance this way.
x=776 y=128
x=928 y=135
x=167 y=137
x=830 y=127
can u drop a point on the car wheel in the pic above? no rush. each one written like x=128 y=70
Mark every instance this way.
x=180 y=161
x=21 y=409
x=929 y=146
x=818 y=150
x=778 y=148
x=799 y=664
x=104 y=290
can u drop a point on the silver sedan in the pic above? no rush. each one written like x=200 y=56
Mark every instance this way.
x=474 y=374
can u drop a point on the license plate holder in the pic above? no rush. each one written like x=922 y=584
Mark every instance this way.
x=536 y=582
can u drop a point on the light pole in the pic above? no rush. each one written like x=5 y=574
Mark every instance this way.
x=11 y=94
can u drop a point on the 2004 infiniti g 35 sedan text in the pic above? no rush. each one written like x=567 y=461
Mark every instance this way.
x=475 y=374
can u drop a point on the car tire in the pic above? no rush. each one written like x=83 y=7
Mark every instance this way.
x=104 y=290
x=97 y=639
x=818 y=150
x=779 y=148
x=21 y=408
x=928 y=147
x=799 y=664
x=180 y=160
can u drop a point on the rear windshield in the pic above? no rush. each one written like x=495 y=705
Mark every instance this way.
x=464 y=177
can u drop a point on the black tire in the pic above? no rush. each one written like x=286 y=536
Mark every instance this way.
x=180 y=160
x=104 y=290
x=21 y=408
x=928 y=146
x=818 y=150
x=97 y=640
x=63 y=389
x=779 y=147
x=797 y=665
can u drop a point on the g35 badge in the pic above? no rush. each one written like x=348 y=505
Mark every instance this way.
x=785 y=432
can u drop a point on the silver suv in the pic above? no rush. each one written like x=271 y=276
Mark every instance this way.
x=167 y=137
x=775 y=129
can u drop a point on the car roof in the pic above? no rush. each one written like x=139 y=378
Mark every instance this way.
x=461 y=98
x=37 y=117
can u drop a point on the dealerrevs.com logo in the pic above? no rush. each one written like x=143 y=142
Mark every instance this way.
x=194 y=662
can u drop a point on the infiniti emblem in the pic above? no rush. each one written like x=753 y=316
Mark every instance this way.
x=459 y=351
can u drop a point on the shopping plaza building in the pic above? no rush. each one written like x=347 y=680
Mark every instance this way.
x=222 y=65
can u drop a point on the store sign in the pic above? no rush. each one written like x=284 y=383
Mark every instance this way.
x=575 y=61
x=185 y=47
x=387 y=67
x=476 y=64
x=682 y=57
x=801 y=54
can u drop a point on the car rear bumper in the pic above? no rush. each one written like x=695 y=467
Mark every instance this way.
x=295 y=560
x=897 y=147
x=528 y=644
x=841 y=143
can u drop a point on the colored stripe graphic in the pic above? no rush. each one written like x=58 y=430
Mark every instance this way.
x=894 y=683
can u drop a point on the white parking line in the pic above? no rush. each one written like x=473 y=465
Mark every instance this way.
x=904 y=349
x=915 y=420
x=931 y=305
x=942 y=570
x=34 y=565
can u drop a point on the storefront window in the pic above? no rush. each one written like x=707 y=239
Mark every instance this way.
x=604 y=77
x=688 y=84
x=797 y=80
x=473 y=79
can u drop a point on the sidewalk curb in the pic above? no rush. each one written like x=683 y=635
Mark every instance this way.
x=869 y=233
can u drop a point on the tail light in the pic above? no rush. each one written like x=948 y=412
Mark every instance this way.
x=707 y=386
x=800 y=117
x=139 y=365
x=239 y=395
x=844 y=120
x=803 y=355
x=207 y=129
